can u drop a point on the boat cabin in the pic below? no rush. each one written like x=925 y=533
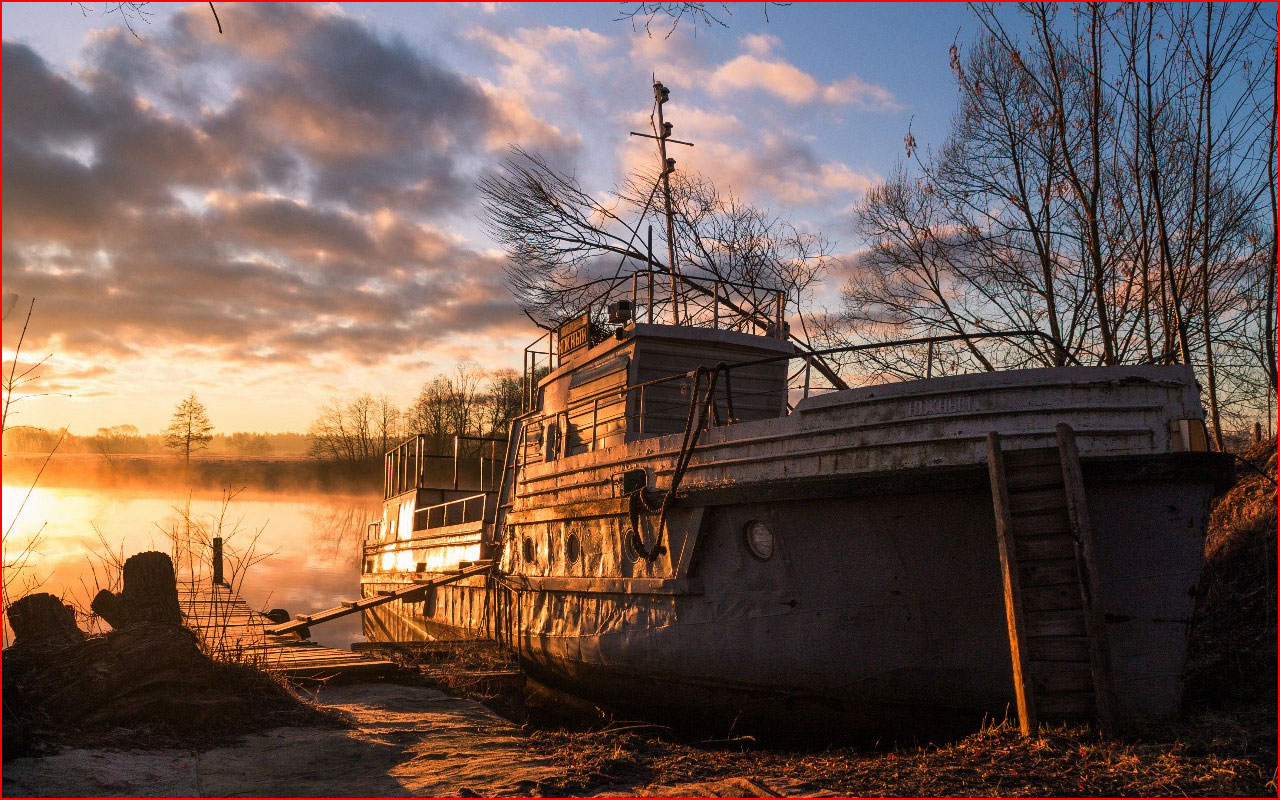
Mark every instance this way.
x=436 y=502
x=634 y=384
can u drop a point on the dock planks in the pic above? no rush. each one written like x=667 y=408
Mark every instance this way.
x=232 y=631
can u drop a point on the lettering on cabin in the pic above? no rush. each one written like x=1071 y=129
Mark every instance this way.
x=933 y=406
x=572 y=335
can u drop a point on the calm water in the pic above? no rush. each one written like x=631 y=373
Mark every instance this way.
x=309 y=545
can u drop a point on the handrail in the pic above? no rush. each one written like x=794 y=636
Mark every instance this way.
x=404 y=464
x=443 y=512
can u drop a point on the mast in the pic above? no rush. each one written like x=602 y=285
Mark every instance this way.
x=663 y=129
x=662 y=133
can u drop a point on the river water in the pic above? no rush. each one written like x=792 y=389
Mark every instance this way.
x=301 y=552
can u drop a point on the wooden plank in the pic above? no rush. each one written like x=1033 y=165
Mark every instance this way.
x=1023 y=691
x=1059 y=648
x=1048 y=572
x=1078 y=513
x=234 y=632
x=1043 y=525
x=1032 y=478
x=1050 y=547
x=1056 y=624
x=1034 y=457
x=1058 y=677
x=1042 y=501
x=1044 y=515
x=1051 y=598
x=1068 y=705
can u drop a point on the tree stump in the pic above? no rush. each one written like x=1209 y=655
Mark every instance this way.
x=150 y=593
x=43 y=616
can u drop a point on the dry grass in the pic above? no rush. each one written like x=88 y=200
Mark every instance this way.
x=1233 y=643
x=995 y=762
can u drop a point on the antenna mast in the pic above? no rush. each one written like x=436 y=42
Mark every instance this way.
x=662 y=132
x=661 y=94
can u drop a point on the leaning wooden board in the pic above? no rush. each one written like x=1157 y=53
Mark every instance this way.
x=232 y=631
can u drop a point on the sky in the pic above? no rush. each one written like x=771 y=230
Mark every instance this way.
x=286 y=213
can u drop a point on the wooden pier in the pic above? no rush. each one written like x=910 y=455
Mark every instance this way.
x=232 y=631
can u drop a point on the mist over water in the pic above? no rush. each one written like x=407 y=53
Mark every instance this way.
x=311 y=541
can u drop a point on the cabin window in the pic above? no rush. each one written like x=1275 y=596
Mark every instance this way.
x=529 y=550
x=572 y=548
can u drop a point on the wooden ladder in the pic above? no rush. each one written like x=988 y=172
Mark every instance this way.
x=1057 y=635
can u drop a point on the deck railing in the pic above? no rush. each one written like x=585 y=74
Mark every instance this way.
x=405 y=467
x=454 y=512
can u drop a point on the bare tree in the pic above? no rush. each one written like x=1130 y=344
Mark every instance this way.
x=642 y=15
x=132 y=14
x=354 y=431
x=18 y=577
x=501 y=402
x=570 y=249
x=1108 y=182
x=448 y=406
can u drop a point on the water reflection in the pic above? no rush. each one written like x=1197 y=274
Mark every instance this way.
x=311 y=543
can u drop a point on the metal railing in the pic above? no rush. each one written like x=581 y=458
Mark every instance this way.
x=706 y=303
x=454 y=512
x=405 y=465
x=755 y=309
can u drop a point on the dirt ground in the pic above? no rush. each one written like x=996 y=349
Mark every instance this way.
x=401 y=741
x=404 y=740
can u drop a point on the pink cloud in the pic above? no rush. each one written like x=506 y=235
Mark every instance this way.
x=750 y=72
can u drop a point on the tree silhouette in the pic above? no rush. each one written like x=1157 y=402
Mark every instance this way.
x=189 y=429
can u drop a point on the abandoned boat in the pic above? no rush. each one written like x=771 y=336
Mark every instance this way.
x=680 y=525
x=670 y=532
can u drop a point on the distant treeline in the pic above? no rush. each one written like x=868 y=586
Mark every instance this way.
x=147 y=471
x=470 y=402
x=126 y=439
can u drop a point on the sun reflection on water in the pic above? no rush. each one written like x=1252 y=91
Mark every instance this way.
x=313 y=541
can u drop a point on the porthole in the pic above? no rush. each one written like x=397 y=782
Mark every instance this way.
x=529 y=551
x=572 y=548
x=760 y=539
x=629 y=545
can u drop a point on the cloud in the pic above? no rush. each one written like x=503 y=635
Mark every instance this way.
x=778 y=171
x=756 y=72
x=760 y=44
x=282 y=195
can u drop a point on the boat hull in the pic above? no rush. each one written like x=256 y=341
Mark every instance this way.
x=880 y=614
x=881 y=611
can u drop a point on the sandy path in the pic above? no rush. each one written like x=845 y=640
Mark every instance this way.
x=403 y=741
